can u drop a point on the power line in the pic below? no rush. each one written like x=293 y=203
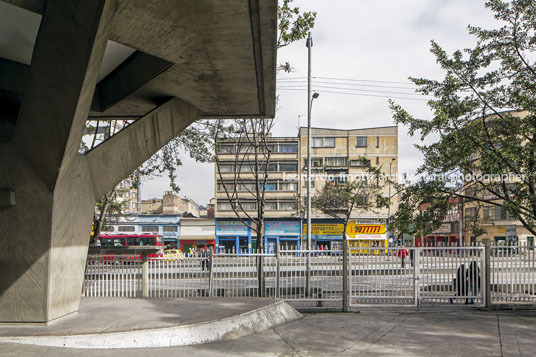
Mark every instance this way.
x=346 y=80
x=351 y=89
x=356 y=94
x=348 y=84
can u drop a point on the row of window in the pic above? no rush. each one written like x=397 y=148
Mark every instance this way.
x=489 y=213
x=250 y=167
x=329 y=142
x=250 y=186
x=231 y=148
x=338 y=162
x=252 y=205
x=144 y=229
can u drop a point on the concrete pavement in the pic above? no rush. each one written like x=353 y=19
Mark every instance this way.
x=443 y=331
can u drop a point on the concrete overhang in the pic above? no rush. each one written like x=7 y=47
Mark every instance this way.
x=218 y=55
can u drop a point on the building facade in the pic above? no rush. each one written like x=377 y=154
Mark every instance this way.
x=170 y=204
x=166 y=225
x=336 y=154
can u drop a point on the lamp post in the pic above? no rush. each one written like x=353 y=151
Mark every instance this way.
x=310 y=99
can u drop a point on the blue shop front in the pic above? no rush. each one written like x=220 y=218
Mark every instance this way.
x=232 y=235
x=286 y=232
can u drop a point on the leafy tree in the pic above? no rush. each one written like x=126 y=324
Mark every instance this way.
x=484 y=114
x=349 y=197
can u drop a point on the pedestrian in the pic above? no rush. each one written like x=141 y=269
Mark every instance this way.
x=203 y=254
x=402 y=256
x=459 y=283
x=411 y=255
x=473 y=281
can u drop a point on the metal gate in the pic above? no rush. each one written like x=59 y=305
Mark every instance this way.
x=415 y=276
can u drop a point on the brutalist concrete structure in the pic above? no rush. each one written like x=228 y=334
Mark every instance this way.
x=188 y=59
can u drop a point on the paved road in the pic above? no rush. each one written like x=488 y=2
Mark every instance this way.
x=465 y=332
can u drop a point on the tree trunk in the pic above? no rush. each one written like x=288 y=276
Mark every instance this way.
x=260 y=260
x=98 y=225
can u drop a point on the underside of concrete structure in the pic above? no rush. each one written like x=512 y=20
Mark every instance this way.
x=163 y=63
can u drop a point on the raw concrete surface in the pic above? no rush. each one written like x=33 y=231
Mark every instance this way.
x=439 y=332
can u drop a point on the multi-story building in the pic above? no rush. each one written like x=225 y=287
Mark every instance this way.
x=170 y=204
x=334 y=152
x=281 y=222
x=128 y=194
x=337 y=154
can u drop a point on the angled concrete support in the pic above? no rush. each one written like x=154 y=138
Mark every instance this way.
x=124 y=152
x=44 y=235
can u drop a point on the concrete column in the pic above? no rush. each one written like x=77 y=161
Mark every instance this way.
x=44 y=236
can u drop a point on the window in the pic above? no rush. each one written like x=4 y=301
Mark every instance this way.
x=268 y=148
x=288 y=166
x=226 y=168
x=336 y=161
x=169 y=229
x=287 y=206
x=317 y=142
x=288 y=186
x=361 y=141
x=247 y=167
x=360 y=163
x=249 y=206
x=270 y=186
x=312 y=183
x=111 y=242
x=227 y=148
x=271 y=167
x=329 y=142
x=224 y=206
x=270 y=206
x=127 y=229
x=149 y=228
x=377 y=160
x=471 y=212
x=222 y=186
x=377 y=142
x=288 y=147
x=245 y=148
x=361 y=201
x=107 y=229
x=246 y=187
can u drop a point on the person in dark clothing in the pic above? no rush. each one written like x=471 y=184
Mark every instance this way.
x=473 y=281
x=460 y=282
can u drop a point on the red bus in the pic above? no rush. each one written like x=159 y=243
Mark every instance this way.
x=124 y=240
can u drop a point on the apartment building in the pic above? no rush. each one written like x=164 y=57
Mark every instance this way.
x=128 y=194
x=170 y=204
x=335 y=153
x=236 y=176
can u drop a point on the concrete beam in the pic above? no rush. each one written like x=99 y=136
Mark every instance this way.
x=138 y=69
x=119 y=156
x=65 y=65
x=13 y=76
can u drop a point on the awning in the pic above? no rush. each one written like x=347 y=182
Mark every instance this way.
x=197 y=238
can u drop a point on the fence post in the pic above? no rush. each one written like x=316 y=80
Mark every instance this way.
x=487 y=273
x=144 y=275
x=345 y=291
x=277 y=271
x=210 y=271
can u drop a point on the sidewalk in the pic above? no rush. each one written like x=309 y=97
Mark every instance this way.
x=438 y=332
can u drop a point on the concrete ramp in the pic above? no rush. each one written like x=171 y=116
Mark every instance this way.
x=139 y=323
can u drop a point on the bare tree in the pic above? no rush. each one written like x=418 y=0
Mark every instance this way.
x=244 y=184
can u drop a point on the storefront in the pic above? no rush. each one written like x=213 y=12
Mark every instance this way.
x=233 y=235
x=196 y=234
x=366 y=236
x=441 y=237
x=284 y=232
x=326 y=233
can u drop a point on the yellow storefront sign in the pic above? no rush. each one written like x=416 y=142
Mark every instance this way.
x=328 y=229
x=353 y=229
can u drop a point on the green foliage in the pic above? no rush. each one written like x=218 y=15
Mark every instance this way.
x=484 y=114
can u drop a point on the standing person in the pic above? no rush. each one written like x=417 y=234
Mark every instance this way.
x=411 y=255
x=460 y=282
x=203 y=260
x=402 y=256
x=473 y=281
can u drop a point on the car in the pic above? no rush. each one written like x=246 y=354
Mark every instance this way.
x=172 y=254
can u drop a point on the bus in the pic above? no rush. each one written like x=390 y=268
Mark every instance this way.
x=125 y=240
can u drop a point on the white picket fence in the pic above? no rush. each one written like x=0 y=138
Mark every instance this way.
x=315 y=278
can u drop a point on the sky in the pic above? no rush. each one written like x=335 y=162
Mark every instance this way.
x=362 y=47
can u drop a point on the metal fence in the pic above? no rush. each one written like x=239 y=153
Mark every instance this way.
x=411 y=276
x=513 y=274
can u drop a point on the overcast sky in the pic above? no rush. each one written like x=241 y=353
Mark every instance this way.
x=363 y=47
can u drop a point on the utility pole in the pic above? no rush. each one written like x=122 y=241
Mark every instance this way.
x=389 y=195
x=309 y=45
